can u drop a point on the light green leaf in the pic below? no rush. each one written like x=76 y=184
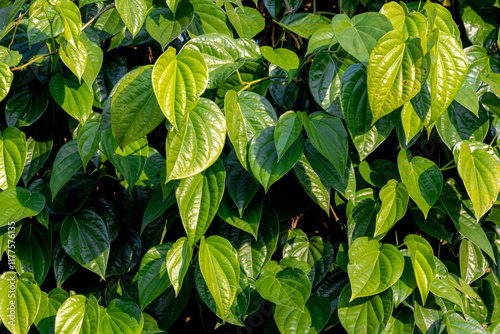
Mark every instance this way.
x=422 y=178
x=411 y=121
x=422 y=260
x=311 y=321
x=287 y=131
x=467 y=97
x=247 y=21
x=178 y=262
x=6 y=77
x=121 y=316
x=77 y=314
x=322 y=39
x=379 y=172
x=66 y=164
x=133 y=14
x=88 y=140
x=394 y=198
x=72 y=19
x=456 y=324
x=284 y=58
x=473 y=264
x=75 y=57
x=49 y=304
x=12 y=156
x=94 y=59
x=221 y=271
x=209 y=18
x=476 y=28
x=412 y=24
x=304 y=24
x=178 y=81
x=165 y=25
x=17 y=203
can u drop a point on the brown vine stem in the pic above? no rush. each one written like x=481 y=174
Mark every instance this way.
x=15 y=29
x=97 y=15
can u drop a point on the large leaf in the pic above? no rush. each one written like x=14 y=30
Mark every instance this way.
x=19 y=302
x=74 y=97
x=133 y=14
x=247 y=114
x=247 y=21
x=476 y=28
x=123 y=316
x=84 y=236
x=480 y=172
x=129 y=161
x=373 y=267
x=49 y=304
x=248 y=222
x=457 y=324
x=198 y=142
x=397 y=69
x=412 y=24
x=17 y=203
x=77 y=314
x=263 y=157
x=165 y=25
x=422 y=178
x=33 y=252
x=359 y=35
x=369 y=314
x=358 y=115
x=210 y=19
x=12 y=156
x=178 y=81
x=394 y=198
x=26 y=105
x=422 y=260
x=221 y=271
x=198 y=198
x=66 y=164
x=153 y=276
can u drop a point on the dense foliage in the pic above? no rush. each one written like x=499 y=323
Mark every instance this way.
x=276 y=166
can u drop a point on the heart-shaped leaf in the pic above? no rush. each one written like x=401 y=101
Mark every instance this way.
x=37 y=153
x=88 y=140
x=74 y=57
x=247 y=21
x=165 y=25
x=178 y=262
x=66 y=164
x=17 y=203
x=210 y=19
x=311 y=321
x=473 y=264
x=12 y=156
x=49 y=304
x=6 y=77
x=33 y=252
x=26 y=105
x=249 y=221
x=394 y=198
x=122 y=316
x=78 y=315
x=284 y=58
x=287 y=131
x=133 y=13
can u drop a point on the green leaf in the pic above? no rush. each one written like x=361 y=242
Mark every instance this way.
x=165 y=25
x=322 y=39
x=287 y=131
x=368 y=260
x=317 y=189
x=422 y=178
x=10 y=58
x=178 y=262
x=263 y=158
x=44 y=22
x=359 y=35
x=284 y=58
x=362 y=218
x=450 y=66
x=358 y=115
x=12 y=156
x=198 y=142
x=379 y=172
x=153 y=276
x=467 y=97
x=72 y=19
x=480 y=172
x=402 y=322
x=403 y=288
x=458 y=123
x=49 y=304
x=17 y=203
x=247 y=21
x=476 y=28
x=157 y=206
x=422 y=260
x=26 y=105
x=473 y=263
x=37 y=153
x=33 y=252
x=221 y=271
x=287 y=287
x=254 y=253
x=178 y=81
x=66 y=164
x=172 y=4
x=303 y=24
x=74 y=98
x=94 y=59
x=456 y=324
x=412 y=24
x=129 y=161
x=133 y=13
x=312 y=320
x=397 y=69
x=428 y=316
x=240 y=185
x=250 y=71
x=64 y=265
x=492 y=102
x=6 y=77
x=433 y=225
x=77 y=314
x=88 y=140
x=122 y=316
x=247 y=114
x=369 y=314
x=19 y=302
x=328 y=135
x=249 y=221
x=443 y=288
x=210 y=19
x=84 y=236
x=394 y=198
x=74 y=57
x=134 y=109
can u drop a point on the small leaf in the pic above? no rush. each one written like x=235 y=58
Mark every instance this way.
x=473 y=263
x=312 y=320
x=12 y=156
x=166 y=25
x=133 y=14
x=248 y=222
x=17 y=203
x=88 y=140
x=75 y=58
x=66 y=164
x=77 y=314
x=284 y=58
x=178 y=262
x=6 y=77
x=74 y=97
x=287 y=131
x=247 y=21
x=394 y=198
x=49 y=304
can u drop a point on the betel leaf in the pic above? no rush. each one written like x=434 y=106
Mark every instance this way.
x=373 y=267
x=449 y=70
x=72 y=21
x=422 y=178
x=394 y=196
x=198 y=142
x=74 y=97
x=153 y=276
x=397 y=70
x=263 y=157
x=284 y=58
x=476 y=27
x=287 y=287
x=88 y=140
x=221 y=271
x=129 y=161
x=247 y=21
x=12 y=156
x=369 y=314
x=473 y=264
x=287 y=131
x=359 y=35
x=411 y=122
x=362 y=217
x=133 y=14
x=74 y=57
x=33 y=252
x=247 y=114
x=49 y=304
x=17 y=203
x=19 y=302
x=321 y=39
x=94 y=60
x=122 y=316
x=249 y=221
x=412 y=24
x=66 y=164
x=134 y=109
x=328 y=135
x=457 y=324
x=165 y=25
x=311 y=321
x=78 y=314
x=64 y=265
x=178 y=81
x=480 y=172
x=467 y=97
x=209 y=18
x=26 y=105
x=379 y=172
x=358 y=115
x=303 y=24
x=6 y=78
x=178 y=262
x=84 y=236
x=422 y=260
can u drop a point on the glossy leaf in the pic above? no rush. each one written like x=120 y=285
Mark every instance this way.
x=33 y=252
x=122 y=316
x=247 y=21
x=248 y=222
x=12 y=156
x=49 y=304
x=165 y=25
x=283 y=58
x=88 y=140
x=473 y=263
x=133 y=14
x=6 y=78
x=17 y=203
x=66 y=164
x=422 y=260
x=26 y=105
x=394 y=196
x=178 y=261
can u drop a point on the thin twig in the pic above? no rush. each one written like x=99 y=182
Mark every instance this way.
x=97 y=15
x=19 y=68
x=15 y=29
